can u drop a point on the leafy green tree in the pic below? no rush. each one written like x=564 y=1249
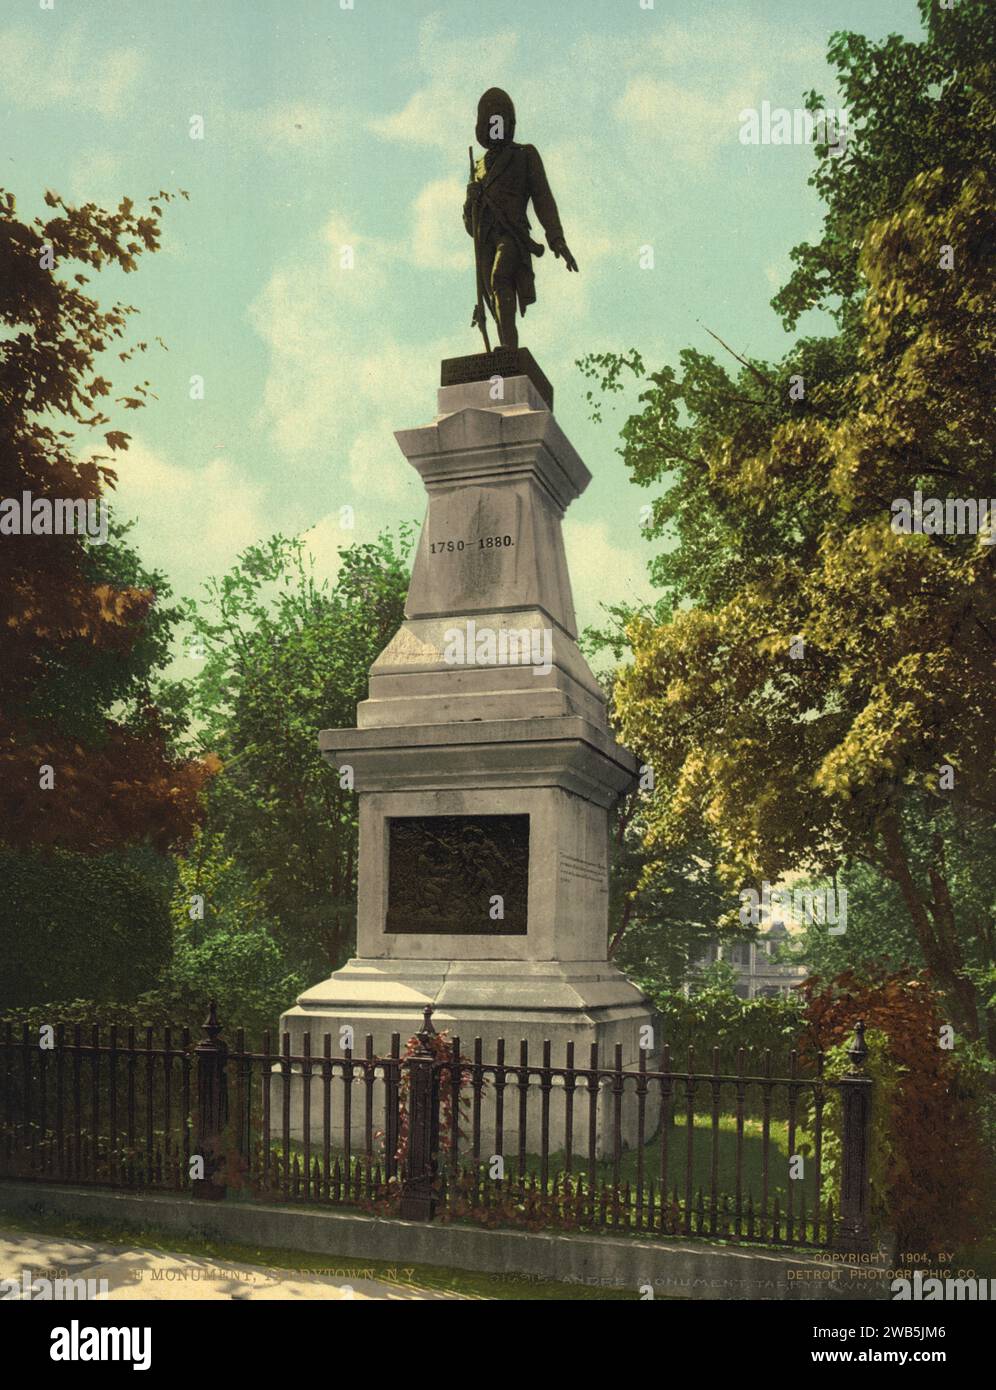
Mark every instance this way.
x=648 y=888
x=286 y=656
x=880 y=931
x=663 y=910
x=912 y=105
x=71 y=922
x=815 y=688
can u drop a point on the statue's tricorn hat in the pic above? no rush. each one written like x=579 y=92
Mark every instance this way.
x=493 y=103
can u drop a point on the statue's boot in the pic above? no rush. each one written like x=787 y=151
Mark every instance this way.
x=503 y=275
x=508 y=332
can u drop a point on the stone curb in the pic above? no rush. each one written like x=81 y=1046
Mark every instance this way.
x=694 y=1270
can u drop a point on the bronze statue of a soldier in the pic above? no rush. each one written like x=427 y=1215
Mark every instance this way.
x=502 y=183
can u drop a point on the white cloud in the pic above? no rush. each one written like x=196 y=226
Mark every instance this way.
x=308 y=313
x=96 y=177
x=192 y=521
x=692 y=123
x=603 y=571
x=439 y=239
x=323 y=541
x=723 y=39
x=429 y=117
x=459 y=70
x=330 y=402
x=37 y=71
x=375 y=465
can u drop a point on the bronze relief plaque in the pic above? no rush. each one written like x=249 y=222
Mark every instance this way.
x=445 y=874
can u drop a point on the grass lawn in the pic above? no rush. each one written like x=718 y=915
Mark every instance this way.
x=702 y=1144
x=753 y=1159
x=752 y=1185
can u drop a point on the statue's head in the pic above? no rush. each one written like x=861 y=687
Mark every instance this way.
x=495 y=119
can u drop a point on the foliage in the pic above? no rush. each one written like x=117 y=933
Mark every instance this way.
x=909 y=104
x=67 y=918
x=229 y=954
x=285 y=657
x=648 y=887
x=929 y=1167
x=440 y=1045
x=646 y=890
x=715 y=1017
x=86 y=631
x=879 y=929
x=245 y=972
x=885 y=1073
x=810 y=672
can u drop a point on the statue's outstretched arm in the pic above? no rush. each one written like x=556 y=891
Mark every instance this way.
x=545 y=207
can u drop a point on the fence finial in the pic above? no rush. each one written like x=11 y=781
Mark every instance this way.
x=858 y=1050
x=211 y=1026
x=426 y=1031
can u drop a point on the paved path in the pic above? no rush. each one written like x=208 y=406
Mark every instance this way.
x=135 y=1273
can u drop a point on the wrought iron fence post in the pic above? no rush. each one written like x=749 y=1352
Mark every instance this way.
x=418 y=1198
x=211 y=1116
x=854 y=1233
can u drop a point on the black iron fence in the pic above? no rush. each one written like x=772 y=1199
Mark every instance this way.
x=430 y=1133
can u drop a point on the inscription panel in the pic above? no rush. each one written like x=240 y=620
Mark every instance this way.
x=573 y=869
x=470 y=553
x=444 y=873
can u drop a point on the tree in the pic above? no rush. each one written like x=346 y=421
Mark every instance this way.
x=88 y=755
x=912 y=105
x=285 y=657
x=67 y=918
x=646 y=889
x=816 y=687
x=880 y=932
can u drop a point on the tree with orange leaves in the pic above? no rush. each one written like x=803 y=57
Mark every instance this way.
x=89 y=758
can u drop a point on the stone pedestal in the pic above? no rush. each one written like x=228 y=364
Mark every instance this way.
x=485 y=768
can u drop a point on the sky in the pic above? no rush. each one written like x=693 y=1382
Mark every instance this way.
x=328 y=125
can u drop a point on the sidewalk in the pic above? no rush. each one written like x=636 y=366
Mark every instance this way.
x=133 y=1273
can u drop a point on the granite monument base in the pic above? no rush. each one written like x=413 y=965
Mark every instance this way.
x=498 y=1001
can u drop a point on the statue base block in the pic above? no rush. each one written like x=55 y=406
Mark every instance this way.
x=503 y=362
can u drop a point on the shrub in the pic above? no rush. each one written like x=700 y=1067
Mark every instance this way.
x=68 y=920
x=929 y=1165
x=715 y=1016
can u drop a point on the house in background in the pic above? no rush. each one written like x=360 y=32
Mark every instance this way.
x=759 y=973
